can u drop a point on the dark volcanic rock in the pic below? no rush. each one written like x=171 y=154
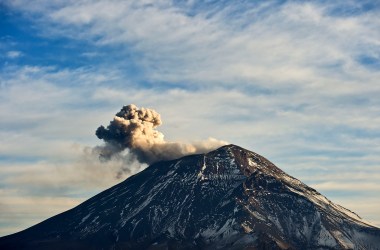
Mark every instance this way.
x=230 y=198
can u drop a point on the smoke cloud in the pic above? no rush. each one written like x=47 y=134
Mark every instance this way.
x=134 y=130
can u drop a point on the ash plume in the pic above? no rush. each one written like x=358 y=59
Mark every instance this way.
x=134 y=130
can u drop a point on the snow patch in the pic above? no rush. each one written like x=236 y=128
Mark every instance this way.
x=252 y=163
x=343 y=241
x=200 y=174
x=85 y=218
x=325 y=238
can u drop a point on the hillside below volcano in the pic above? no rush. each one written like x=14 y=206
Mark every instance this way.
x=230 y=198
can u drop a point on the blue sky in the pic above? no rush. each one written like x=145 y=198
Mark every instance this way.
x=295 y=81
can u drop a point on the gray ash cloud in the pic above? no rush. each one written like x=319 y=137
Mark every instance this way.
x=135 y=129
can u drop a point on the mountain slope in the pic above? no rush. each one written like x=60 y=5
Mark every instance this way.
x=230 y=198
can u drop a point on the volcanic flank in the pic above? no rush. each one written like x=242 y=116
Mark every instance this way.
x=229 y=198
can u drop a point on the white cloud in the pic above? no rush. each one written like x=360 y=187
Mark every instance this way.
x=347 y=186
x=282 y=80
x=14 y=54
x=44 y=114
x=298 y=46
x=21 y=212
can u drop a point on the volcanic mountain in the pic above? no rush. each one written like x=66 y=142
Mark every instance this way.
x=230 y=198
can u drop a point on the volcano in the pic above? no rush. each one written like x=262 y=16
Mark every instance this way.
x=230 y=198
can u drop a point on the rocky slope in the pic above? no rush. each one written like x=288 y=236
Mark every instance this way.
x=230 y=198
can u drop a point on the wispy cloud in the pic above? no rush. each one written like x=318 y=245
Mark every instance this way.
x=21 y=212
x=294 y=81
x=366 y=186
x=14 y=54
x=297 y=42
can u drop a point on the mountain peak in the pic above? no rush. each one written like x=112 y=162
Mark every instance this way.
x=246 y=161
x=230 y=198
